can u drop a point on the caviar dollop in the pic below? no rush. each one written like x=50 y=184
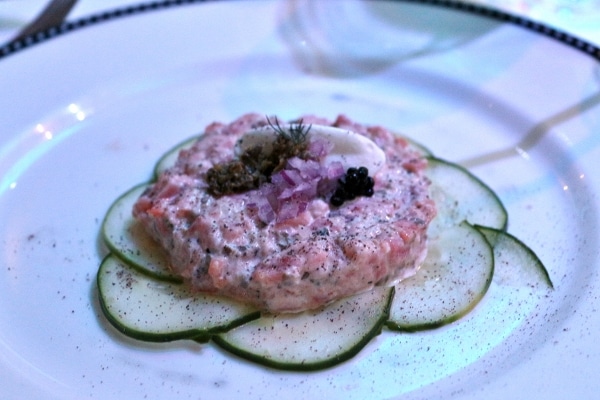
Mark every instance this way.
x=356 y=182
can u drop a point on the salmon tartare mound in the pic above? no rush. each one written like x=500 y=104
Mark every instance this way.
x=278 y=215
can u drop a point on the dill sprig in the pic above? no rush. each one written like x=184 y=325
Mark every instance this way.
x=296 y=133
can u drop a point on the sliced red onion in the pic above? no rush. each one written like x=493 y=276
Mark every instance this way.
x=261 y=203
x=335 y=170
x=306 y=168
x=266 y=213
x=291 y=189
x=319 y=148
x=278 y=180
x=288 y=210
x=292 y=177
x=308 y=190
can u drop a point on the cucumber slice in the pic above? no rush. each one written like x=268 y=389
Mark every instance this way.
x=126 y=239
x=455 y=276
x=143 y=300
x=146 y=309
x=419 y=147
x=168 y=159
x=459 y=195
x=516 y=263
x=311 y=340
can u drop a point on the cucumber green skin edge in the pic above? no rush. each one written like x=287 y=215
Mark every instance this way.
x=198 y=335
x=213 y=334
x=316 y=366
x=412 y=328
x=160 y=164
x=115 y=250
x=538 y=263
x=434 y=159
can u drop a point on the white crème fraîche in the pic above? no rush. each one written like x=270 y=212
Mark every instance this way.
x=349 y=148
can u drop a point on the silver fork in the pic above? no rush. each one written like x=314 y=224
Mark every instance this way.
x=52 y=15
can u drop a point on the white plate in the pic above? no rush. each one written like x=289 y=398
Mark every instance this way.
x=85 y=115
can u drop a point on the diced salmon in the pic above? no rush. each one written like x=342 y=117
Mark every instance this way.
x=220 y=245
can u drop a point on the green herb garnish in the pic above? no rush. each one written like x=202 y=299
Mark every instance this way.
x=297 y=132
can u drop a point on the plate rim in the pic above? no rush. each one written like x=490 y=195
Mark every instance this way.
x=17 y=46
x=399 y=1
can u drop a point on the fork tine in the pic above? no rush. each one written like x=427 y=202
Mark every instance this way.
x=52 y=15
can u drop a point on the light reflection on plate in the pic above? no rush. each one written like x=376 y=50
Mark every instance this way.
x=517 y=107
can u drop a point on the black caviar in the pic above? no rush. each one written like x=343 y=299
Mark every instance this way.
x=356 y=182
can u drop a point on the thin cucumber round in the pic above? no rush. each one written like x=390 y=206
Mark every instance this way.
x=314 y=339
x=419 y=147
x=454 y=277
x=517 y=264
x=156 y=311
x=468 y=248
x=461 y=196
x=126 y=239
